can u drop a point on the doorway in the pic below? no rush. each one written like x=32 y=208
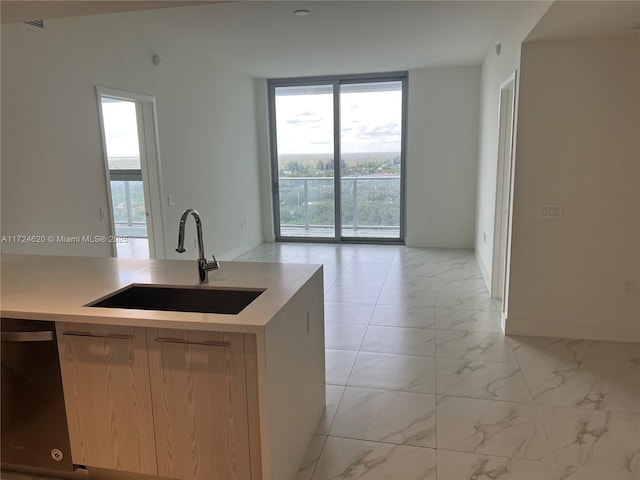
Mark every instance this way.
x=128 y=124
x=338 y=158
x=504 y=183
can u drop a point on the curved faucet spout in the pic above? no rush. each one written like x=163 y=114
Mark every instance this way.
x=183 y=221
x=203 y=265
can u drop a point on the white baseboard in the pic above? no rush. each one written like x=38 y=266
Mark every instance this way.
x=416 y=242
x=236 y=252
x=268 y=237
x=575 y=330
x=485 y=272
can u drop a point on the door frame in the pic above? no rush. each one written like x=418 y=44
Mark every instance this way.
x=336 y=81
x=504 y=188
x=149 y=164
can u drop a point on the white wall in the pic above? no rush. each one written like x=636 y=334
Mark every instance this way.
x=53 y=179
x=578 y=146
x=442 y=145
x=495 y=69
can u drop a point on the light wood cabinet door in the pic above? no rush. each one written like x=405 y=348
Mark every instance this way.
x=105 y=374
x=199 y=393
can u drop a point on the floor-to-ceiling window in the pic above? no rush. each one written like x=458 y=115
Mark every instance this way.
x=338 y=157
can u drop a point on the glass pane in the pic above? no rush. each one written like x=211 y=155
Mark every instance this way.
x=138 y=212
x=370 y=143
x=118 y=198
x=304 y=139
x=121 y=133
x=129 y=213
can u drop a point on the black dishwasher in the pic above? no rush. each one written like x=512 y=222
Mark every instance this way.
x=34 y=421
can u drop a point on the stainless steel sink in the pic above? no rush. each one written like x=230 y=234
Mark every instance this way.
x=179 y=299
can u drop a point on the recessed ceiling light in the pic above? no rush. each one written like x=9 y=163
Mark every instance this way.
x=302 y=12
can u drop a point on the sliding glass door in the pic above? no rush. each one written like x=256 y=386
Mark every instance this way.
x=305 y=161
x=337 y=151
x=371 y=159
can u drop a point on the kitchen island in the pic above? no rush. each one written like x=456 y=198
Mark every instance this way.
x=183 y=395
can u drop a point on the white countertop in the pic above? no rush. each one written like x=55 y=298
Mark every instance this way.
x=47 y=287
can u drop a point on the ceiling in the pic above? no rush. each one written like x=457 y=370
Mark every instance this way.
x=266 y=39
x=571 y=19
x=12 y=11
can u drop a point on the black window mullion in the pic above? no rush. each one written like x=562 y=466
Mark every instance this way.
x=128 y=175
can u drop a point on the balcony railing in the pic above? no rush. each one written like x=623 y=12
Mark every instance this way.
x=368 y=203
x=129 y=211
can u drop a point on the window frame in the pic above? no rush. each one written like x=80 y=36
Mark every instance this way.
x=336 y=81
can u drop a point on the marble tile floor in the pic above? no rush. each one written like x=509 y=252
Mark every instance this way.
x=421 y=383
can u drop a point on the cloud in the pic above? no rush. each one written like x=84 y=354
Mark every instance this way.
x=391 y=129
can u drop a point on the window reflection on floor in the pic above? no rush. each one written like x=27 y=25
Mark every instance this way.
x=133 y=248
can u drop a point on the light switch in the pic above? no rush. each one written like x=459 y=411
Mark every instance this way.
x=550 y=211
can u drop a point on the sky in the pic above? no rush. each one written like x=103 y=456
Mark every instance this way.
x=370 y=121
x=121 y=130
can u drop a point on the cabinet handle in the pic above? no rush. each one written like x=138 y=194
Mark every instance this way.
x=42 y=336
x=206 y=343
x=109 y=336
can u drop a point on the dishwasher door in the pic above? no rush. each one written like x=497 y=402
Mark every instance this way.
x=34 y=420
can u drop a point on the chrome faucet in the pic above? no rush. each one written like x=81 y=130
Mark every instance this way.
x=203 y=265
